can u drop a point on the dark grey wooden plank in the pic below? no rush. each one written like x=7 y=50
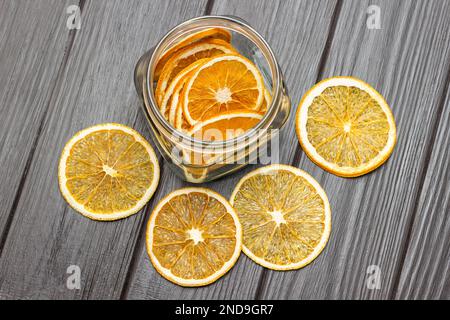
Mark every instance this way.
x=297 y=31
x=46 y=236
x=407 y=60
x=426 y=271
x=33 y=40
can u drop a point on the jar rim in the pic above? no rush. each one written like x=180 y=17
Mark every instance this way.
x=173 y=35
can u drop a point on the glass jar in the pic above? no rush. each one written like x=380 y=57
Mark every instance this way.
x=217 y=158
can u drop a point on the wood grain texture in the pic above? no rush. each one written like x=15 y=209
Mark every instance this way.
x=33 y=43
x=296 y=31
x=46 y=236
x=426 y=271
x=407 y=60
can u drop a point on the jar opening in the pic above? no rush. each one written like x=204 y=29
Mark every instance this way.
x=250 y=44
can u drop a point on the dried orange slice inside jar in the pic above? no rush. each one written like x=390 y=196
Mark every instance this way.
x=215 y=81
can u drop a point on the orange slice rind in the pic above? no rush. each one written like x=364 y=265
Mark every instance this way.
x=211 y=33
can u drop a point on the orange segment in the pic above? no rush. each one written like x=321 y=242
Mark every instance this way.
x=212 y=33
x=185 y=57
x=225 y=83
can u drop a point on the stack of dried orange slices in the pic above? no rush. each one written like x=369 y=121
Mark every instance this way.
x=204 y=85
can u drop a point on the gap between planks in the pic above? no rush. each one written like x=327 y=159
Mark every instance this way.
x=68 y=49
x=323 y=60
x=423 y=174
x=424 y=170
x=140 y=243
x=298 y=152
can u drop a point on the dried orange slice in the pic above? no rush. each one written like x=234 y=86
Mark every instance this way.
x=345 y=126
x=266 y=102
x=193 y=237
x=225 y=126
x=172 y=93
x=225 y=83
x=185 y=57
x=180 y=120
x=285 y=216
x=195 y=174
x=175 y=101
x=108 y=172
x=211 y=33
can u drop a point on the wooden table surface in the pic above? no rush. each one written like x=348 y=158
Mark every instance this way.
x=55 y=81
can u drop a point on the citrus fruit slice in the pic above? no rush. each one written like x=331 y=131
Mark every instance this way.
x=195 y=174
x=108 y=172
x=185 y=57
x=180 y=120
x=266 y=102
x=345 y=126
x=211 y=33
x=285 y=216
x=175 y=101
x=225 y=83
x=193 y=237
x=225 y=126
x=172 y=92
